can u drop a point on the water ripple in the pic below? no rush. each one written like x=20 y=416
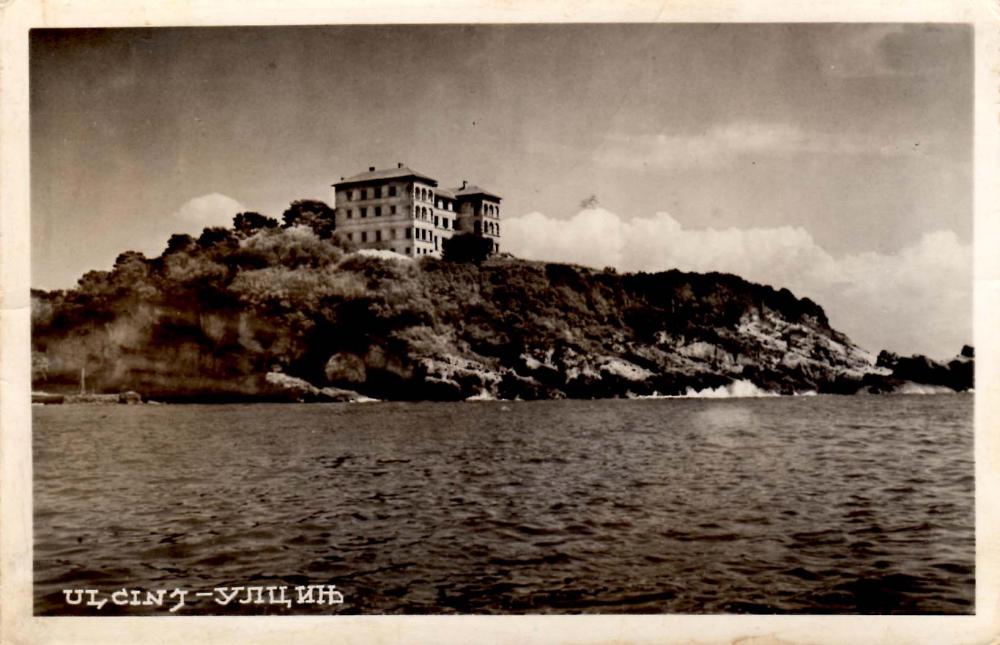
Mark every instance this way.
x=818 y=505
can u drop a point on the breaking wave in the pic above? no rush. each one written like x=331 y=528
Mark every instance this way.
x=920 y=388
x=735 y=390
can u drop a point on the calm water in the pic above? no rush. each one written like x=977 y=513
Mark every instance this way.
x=819 y=504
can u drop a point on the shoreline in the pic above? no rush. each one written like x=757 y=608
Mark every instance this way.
x=45 y=399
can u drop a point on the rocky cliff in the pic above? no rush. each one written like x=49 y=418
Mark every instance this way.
x=267 y=312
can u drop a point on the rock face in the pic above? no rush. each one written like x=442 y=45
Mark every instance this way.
x=301 y=391
x=282 y=314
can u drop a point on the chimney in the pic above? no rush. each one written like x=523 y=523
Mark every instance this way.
x=399 y=164
x=464 y=182
x=371 y=168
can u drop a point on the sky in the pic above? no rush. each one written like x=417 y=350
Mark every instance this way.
x=831 y=159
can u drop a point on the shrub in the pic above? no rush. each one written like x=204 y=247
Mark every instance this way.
x=467 y=247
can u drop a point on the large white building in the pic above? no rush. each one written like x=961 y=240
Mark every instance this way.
x=405 y=211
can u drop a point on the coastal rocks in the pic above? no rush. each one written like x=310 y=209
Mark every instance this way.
x=917 y=374
x=297 y=389
x=46 y=398
x=773 y=341
x=94 y=399
x=454 y=377
x=707 y=352
x=130 y=398
x=957 y=375
x=125 y=398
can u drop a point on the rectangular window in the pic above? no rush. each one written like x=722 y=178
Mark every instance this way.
x=408 y=251
x=392 y=233
x=350 y=237
x=378 y=236
x=409 y=233
x=392 y=191
x=349 y=213
x=378 y=211
x=392 y=210
x=436 y=221
x=364 y=236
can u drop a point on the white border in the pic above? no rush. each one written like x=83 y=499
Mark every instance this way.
x=17 y=625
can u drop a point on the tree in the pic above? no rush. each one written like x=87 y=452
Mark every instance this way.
x=467 y=247
x=312 y=213
x=179 y=242
x=131 y=274
x=215 y=235
x=250 y=222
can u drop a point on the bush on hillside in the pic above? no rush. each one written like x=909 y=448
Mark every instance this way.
x=467 y=247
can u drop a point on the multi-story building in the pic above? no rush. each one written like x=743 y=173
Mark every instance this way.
x=405 y=211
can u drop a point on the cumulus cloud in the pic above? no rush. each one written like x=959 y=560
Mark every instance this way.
x=213 y=209
x=916 y=300
x=725 y=143
x=191 y=217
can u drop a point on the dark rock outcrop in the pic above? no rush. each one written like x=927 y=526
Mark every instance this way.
x=957 y=374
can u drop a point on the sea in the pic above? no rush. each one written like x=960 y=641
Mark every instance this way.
x=821 y=504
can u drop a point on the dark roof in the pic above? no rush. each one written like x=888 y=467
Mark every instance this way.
x=445 y=192
x=388 y=173
x=474 y=190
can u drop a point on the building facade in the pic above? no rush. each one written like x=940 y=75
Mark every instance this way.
x=405 y=211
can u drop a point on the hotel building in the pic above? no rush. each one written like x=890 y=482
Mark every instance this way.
x=407 y=212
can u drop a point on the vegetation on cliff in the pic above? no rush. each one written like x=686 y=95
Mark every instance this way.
x=262 y=310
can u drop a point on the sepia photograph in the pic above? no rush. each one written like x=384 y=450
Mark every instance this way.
x=503 y=318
